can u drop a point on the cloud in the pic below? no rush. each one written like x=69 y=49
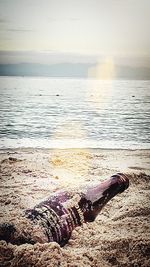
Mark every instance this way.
x=20 y=30
x=63 y=19
x=4 y=21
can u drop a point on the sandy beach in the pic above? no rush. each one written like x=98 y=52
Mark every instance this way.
x=120 y=235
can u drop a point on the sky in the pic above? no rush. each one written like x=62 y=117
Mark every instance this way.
x=75 y=27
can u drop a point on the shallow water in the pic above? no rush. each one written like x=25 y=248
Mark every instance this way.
x=46 y=112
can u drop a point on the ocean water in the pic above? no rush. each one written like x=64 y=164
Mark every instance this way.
x=74 y=113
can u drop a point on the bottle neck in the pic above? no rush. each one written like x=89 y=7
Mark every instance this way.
x=96 y=197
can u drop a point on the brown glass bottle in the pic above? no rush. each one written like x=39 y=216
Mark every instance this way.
x=57 y=216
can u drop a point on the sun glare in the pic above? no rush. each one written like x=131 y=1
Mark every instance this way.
x=98 y=91
x=104 y=70
x=68 y=169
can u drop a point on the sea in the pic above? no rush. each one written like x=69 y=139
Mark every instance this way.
x=63 y=113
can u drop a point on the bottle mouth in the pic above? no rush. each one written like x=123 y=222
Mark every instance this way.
x=123 y=181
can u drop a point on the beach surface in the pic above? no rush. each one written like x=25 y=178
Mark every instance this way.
x=120 y=235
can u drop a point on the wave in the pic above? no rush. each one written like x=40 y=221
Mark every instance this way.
x=6 y=143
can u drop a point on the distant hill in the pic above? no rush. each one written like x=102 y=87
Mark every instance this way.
x=55 y=70
x=70 y=70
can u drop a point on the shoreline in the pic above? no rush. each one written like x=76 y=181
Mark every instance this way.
x=72 y=149
x=118 y=236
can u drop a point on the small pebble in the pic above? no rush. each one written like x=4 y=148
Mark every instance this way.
x=8 y=201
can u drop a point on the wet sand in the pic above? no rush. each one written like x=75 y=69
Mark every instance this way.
x=120 y=235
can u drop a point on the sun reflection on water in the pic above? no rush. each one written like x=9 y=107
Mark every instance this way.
x=72 y=169
x=98 y=93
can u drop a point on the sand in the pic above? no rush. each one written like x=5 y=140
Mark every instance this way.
x=120 y=235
